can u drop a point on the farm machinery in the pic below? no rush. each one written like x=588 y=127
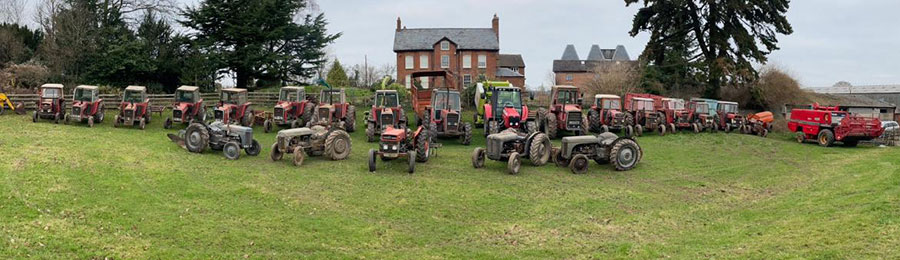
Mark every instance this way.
x=233 y=108
x=333 y=108
x=827 y=125
x=440 y=109
x=386 y=111
x=565 y=112
x=402 y=142
x=51 y=105
x=502 y=107
x=318 y=140
x=134 y=108
x=188 y=107
x=230 y=139
x=645 y=115
x=292 y=108
x=6 y=103
x=87 y=106
x=576 y=152
x=699 y=116
x=606 y=114
x=511 y=146
x=760 y=123
x=727 y=117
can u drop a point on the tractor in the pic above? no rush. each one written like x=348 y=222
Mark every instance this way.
x=827 y=125
x=233 y=107
x=440 y=109
x=230 y=139
x=134 y=108
x=386 y=111
x=565 y=112
x=318 y=140
x=700 y=118
x=504 y=108
x=6 y=103
x=511 y=146
x=402 y=142
x=188 y=107
x=334 y=109
x=577 y=151
x=727 y=117
x=51 y=105
x=678 y=116
x=607 y=114
x=645 y=115
x=760 y=123
x=292 y=108
x=87 y=106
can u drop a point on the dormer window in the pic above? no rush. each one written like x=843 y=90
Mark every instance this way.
x=445 y=46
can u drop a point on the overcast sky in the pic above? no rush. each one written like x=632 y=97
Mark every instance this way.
x=834 y=40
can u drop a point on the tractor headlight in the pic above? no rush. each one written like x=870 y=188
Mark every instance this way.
x=385 y=147
x=394 y=147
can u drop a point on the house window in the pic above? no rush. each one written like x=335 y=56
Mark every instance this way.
x=568 y=77
x=467 y=80
x=423 y=62
x=425 y=82
x=516 y=69
x=467 y=61
x=408 y=81
x=482 y=61
x=445 y=46
x=445 y=61
x=409 y=62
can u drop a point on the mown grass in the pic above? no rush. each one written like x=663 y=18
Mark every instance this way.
x=73 y=192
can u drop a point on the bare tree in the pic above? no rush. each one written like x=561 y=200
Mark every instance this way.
x=616 y=79
x=11 y=11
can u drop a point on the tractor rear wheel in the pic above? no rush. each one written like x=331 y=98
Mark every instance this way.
x=467 y=134
x=232 y=150
x=276 y=153
x=594 y=120
x=604 y=129
x=629 y=131
x=531 y=127
x=478 y=158
x=196 y=138
x=412 y=163
x=539 y=152
x=254 y=148
x=371 y=160
x=625 y=154
x=492 y=128
x=579 y=164
x=514 y=163
x=337 y=145
x=638 y=130
x=299 y=156
x=826 y=138
x=370 y=132
x=558 y=158
x=423 y=146
x=350 y=120
x=550 y=126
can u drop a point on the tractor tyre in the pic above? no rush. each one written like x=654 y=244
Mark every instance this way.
x=307 y=114
x=826 y=138
x=254 y=148
x=100 y=115
x=558 y=159
x=584 y=126
x=423 y=147
x=514 y=164
x=551 y=126
x=34 y=117
x=594 y=119
x=531 y=127
x=168 y=123
x=247 y=119
x=539 y=152
x=267 y=126
x=299 y=156
x=467 y=134
x=625 y=154
x=638 y=130
x=201 y=115
x=801 y=138
x=232 y=150
x=478 y=158
x=196 y=138
x=728 y=128
x=276 y=153
x=412 y=163
x=56 y=119
x=579 y=164
x=350 y=121
x=493 y=128
x=295 y=124
x=432 y=131
x=604 y=129
x=672 y=128
x=763 y=132
x=629 y=119
x=695 y=127
x=629 y=131
x=337 y=145
x=90 y=122
x=370 y=132
x=118 y=122
x=142 y=124
x=371 y=160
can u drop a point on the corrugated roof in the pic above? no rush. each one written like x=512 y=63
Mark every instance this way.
x=511 y=60
x=465 y=38
x=871 y=89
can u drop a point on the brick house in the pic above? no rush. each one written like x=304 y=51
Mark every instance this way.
x=571 y=70
x=466 y=53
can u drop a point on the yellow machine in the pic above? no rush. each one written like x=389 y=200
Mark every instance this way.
x=5 y=103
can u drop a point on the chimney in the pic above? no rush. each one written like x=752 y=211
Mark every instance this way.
x=398 y=23
x=495 y=24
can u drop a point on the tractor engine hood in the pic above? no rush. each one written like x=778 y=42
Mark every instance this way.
x=81 y=104
x=576 y=108
x=283 y=104
x=128 y=106
x=181 y=106
x=511 y=117
x=392 y=134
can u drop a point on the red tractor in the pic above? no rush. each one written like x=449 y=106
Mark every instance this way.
x=51 y=105
x=134 y=108
x=565 y=112
x=727 y=117
x=827 y=125
x=504 y=108
x=188 y=107
x=87 y=106
x=645 y=115
x=233 y=108
x=699 y=116
x=607 y=114
x=292 y=108
x=402 y=142
x=440 y=109
x=678 y=115
x=386 y=111
x=334 y=109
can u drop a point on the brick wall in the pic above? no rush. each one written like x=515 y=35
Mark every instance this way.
x=579 y=79
x=456 y=64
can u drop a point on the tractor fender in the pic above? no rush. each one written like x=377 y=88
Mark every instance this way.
x=415 y=135
x=488 y=112
x=245 y=108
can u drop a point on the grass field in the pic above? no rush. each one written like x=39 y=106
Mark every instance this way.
x=74 y=192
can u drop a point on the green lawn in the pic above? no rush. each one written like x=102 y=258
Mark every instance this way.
x=74 y=192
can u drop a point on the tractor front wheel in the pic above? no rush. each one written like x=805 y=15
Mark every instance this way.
x=695 y=127
x=412 y=163
x=247 y=119
x=672 y=128
x=423 y=147
x=478 y=158
x=493 y=128
x=232 y=150
x=625 y=154
x=604 y=129
x=168 y=123
x=254 y=148
x=267 y=126
x=276 y=153
x=826 y=138
x=514 y=163
x=629 y=131
x=662 y=130
x=370 y=132
x=579 y=164
x=34 y=117
x=90 y=121
x=142 y=124
x=639 y=130
x=371 y=160
x=294 y=124
x=558 y=158
x=299 y=156
x=801 y=138
x=118 y=122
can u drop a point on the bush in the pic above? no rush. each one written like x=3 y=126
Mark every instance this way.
x=24 y=76
x=615 y=79
x=770 y=91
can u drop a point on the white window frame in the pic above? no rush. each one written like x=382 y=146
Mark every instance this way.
x=410 y=62
x=482 y=61
x=569 y=77
x=445 y=61
x=467 y=79
x=408 y=81
x=467 y=61
x=426 y=82
x=423 y=62
x=445 y=45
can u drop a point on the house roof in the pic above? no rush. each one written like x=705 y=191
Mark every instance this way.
x=511 y=60
x=505 y=72
x=569 y=66
x=570 y=53
x=188 y=88
x=465 y=38
x=597 y=56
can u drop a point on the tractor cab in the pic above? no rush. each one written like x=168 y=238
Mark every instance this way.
x=86 y=105
x=332 y=106
x=188 y=106
x=52 y=103
x=566 y=99
x=135 y=94
x=386 y=110
x=233 y=107
x=506 y=106
x=291 y=94
x=728 y=116
x=134 y=107
x=291 y=107
x=607 y=114
x=187 y=95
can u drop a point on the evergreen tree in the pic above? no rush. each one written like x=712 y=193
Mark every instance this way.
x=337 y=77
